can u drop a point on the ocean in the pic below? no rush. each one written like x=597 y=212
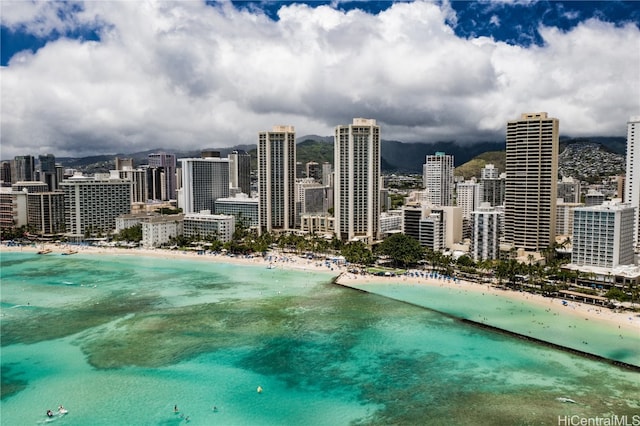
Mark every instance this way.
x=122 y=340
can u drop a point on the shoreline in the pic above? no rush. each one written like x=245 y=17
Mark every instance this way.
x=615 y=321
x=574 y=308
x=546 y=343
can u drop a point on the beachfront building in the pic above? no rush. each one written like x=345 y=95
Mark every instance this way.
x=632 y=179
x=244 y=208
x=390 y=222
x=33 y=204
x=277 y=178
x=357 y=181
x=435 y=227
x=159 y=230
x=485 y=233
x=317 y=223
x=437 y=175
x=240 y=171
x=93 y=203
x=204 y=180
x=206 y=225
x=603 y=235
x=531 y=183
x=166 y=166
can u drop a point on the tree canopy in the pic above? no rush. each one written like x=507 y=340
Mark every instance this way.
x=402 y=250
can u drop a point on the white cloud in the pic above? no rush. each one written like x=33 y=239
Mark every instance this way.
x=189 y=76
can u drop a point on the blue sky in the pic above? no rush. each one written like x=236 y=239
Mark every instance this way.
x=105 y=77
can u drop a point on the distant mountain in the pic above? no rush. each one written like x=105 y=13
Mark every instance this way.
x=397 y=157
x=315 y=138
x=586 y=159
x=473 y=167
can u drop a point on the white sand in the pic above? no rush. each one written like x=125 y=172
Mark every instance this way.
x=616 y=319
x=290 y=261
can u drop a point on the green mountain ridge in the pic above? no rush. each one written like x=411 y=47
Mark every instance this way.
x=397 y=157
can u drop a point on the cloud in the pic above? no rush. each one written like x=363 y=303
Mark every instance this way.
x=186 y=75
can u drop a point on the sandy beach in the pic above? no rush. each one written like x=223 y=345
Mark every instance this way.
x=616 y=319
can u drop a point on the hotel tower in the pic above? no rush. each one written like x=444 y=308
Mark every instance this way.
x=357 y=181
x=277 y=178
x=531 y=184
x=438 y=178
x=632 y=180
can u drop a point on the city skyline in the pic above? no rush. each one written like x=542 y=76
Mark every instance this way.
x=103 y=77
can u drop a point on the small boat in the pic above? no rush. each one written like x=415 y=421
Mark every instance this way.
x=69 y=252
x=44 y=251
x=563 y=399
x=259 y=390
x=271 y=266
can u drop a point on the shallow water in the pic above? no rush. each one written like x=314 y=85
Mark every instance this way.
x=551 y=322
x=121 y=339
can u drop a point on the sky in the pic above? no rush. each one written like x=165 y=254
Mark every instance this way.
x=106 y=77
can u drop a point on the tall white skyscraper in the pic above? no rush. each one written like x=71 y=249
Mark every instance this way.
x=204 y=180
x=277 y=178
x=438 y=178
x=632 y=180
x=531 y=185
x=357 y=180
x=485 y=233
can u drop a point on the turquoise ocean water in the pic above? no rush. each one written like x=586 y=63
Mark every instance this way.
x=120 y=340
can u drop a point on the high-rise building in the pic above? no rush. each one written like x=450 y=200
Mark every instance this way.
x=438 y=178
x=603 y=235
x=5 y=173
x=168 y=163
x=468 y=197
x=485 y=233
x=204 y=180
x=277 y=178
x=93 y=203
x=139 y=183
x=357 y=180
x=531 y=185
x=240 y=171
x=314 y=170
x=311 y=198
x=569 y=190
x=47 y=171
x=23 y=169
x=564 y=217
x=244 y=208
x=327 y=174
x=632 y=179
x=491 y=185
